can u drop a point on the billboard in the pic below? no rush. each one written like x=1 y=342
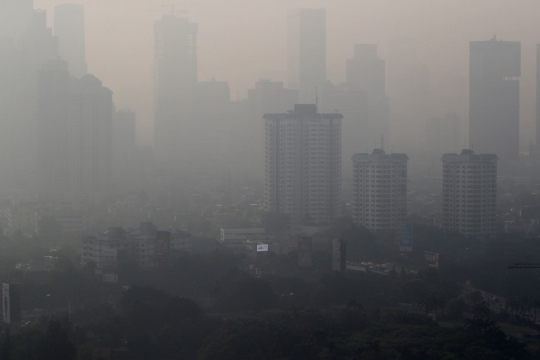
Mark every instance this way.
x=305 y=246
x=11 y=303
x=339 y=255
x=262 y=247
x=405 y=237
x=431 y=259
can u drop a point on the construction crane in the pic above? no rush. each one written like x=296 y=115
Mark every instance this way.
x=525 y=266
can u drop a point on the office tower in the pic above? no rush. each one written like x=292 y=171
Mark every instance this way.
x=366 y=72
x=15 y=18
x=495 y=67
x=303 y=165
x=306 y=51
x=91 y=112
x=175 y=80
x=379 y=200
x=70 y=30
x=124 y=145
x=470 y=193
x=53 y=128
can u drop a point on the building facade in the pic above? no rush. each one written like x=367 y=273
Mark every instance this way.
x=470 y=193
x=303 y=165
x=379 y=200
x=495 y=68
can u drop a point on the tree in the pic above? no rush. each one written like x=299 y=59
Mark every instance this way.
x=57 y=345
x=276 y=224
x=431 y=303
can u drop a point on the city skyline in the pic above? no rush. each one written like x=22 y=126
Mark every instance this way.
x=444 y=52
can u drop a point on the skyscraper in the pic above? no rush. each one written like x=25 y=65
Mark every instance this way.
x=495 y=68
x=379 y=200
x=70 y=30
x=306 y=51
x=175 y=80
x=470 y=193
x=303 y=165
x=91 y=113
x=53 y=124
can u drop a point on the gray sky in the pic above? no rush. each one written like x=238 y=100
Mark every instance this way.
x=241 y=41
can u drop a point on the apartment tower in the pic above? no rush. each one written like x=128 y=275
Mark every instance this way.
x=303 y=165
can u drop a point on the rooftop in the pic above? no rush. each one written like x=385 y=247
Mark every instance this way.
x=379 y=155
x=468 y=155
x=303 y=111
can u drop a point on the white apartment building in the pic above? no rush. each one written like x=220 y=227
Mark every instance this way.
x=470 y=193
x=102 y=250
x=303 y=165
x=379 y=199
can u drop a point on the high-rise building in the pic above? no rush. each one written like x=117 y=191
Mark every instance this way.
x=379 y=200
x=175 y=81
x=303 y=165
x=53 y=124
x=470 y=193
x=366 y=72
x=495 y=68
x=306 y=51
x=91 y=113
x=70 y=30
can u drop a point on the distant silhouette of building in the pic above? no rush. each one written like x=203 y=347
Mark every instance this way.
x=495 y=68
x=267 y=97
x=91 y=115
x=175 y=81
x=306 y=51
x=124 y=146
x=53 y=123
x=379 y=200
x=366 y=72
x=303 y=165
x=470 y=193
x=69 y=27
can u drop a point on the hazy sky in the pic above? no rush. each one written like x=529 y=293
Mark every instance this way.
x=241 y=41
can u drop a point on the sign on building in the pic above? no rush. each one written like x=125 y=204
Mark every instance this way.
x=11 y=303
x=339 y=255
x=405 y=238
x=262 y=247
x=431 y=259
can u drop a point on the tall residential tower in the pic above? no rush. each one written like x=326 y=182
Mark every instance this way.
x=470 y=193
x=379 y=200
x=303 y=165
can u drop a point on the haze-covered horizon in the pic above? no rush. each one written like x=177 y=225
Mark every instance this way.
x=244 y=41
